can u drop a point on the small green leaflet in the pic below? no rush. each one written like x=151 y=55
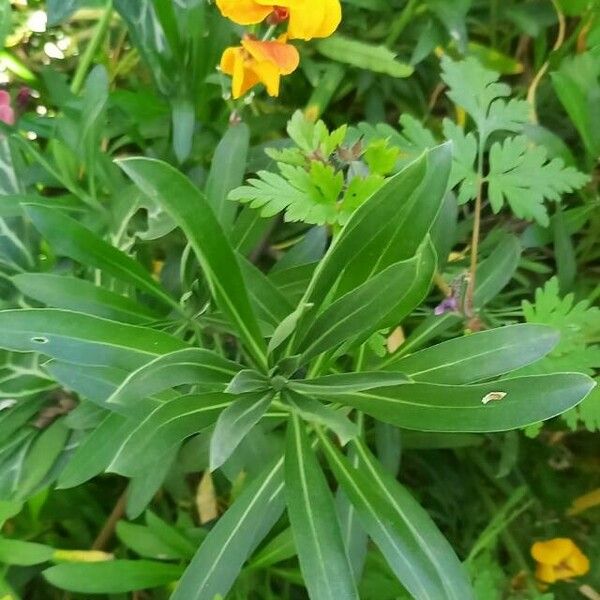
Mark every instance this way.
x=311 y=186
x=579 y=326
x=478 y=91
x=522 y=175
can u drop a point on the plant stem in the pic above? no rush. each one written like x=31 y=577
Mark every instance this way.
x=401 y=22
x=110 y=525
x=470 y=295
x=532 y=91
x=91 y=49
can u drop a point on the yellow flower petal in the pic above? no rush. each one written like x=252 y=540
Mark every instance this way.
x=585 y=502
x=331 y=19
x=559 y=559
x=552 y=552
x=545 y=573
x=283 y=55
x=245 y=12
x=235 y=63
x=312 y=18
x=578 y=563
x=258 y=62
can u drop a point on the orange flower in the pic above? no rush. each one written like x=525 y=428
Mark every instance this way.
x=559 y=559
x=257 y=62
x=308 y=18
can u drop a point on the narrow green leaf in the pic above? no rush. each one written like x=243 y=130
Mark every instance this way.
x=144 y=542
x=417 y=552
x=359 y=312
x=479 y=356
x=191 y=366
x=165 y=427
x=323 y=559
x=280 y=548
x=219 y=560
x=96 y=451
x=346 y=383
x=23 y=554
x=233 y=425
x=227 y=172
x=42 y=456
x=313 y=411
x=170 y=535
x=112 y=577
x=390 y=226
x=82 y=339
x=68 y=238
x=496 y=271
x=69 y=293
x=188 y=207
x=365 y=56
x=498 y=406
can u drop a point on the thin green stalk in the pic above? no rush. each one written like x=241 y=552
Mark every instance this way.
x=510 y=543
x=470 y=295
x=91 y=49
x=400 y=23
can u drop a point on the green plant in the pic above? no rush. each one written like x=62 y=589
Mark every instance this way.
x=218 y=381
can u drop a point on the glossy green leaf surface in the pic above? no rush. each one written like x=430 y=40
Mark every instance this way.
x=68 y=238
x=188 y=207
x=323 y=560
x=478 y=356
x=454 y=408
x=413 y=546
x=82 y=339
x=112 y=577
x=217 y=563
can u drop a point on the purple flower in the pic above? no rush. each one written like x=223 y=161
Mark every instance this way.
x=449 y=304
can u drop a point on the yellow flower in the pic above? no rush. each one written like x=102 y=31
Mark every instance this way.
x=257 y=62
x=585 y=502
x=558 y=559
x=307 y=18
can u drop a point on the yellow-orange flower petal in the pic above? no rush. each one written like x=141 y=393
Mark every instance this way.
x=245 y=12
x=557 y=559
x=308 y=18
x=285 y=56
x=259 y=62
x=585 y=502
x=312 y=18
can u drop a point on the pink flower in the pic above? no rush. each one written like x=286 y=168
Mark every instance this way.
x=7 y=114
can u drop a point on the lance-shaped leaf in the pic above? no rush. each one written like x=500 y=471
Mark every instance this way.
x=416 y=551
x=227 y=172
x=496 y=271
x=82 y=339
x=68 y=238
x=112 y=577
x=479 y=356
x=166 y=427
x=358 y=313
x=323 y=559
x=190 y=210
x=97 y=450
x=80 y=295
x=233 y=425
x=313 y=411
x=230 y=542
x=389 y=227
x=345 y=383
x=191 y=366
x=497 y=406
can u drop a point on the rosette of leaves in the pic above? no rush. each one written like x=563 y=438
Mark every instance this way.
x=271 y=386
x=320 y=180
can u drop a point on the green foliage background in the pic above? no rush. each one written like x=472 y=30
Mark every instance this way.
x=245 y=349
